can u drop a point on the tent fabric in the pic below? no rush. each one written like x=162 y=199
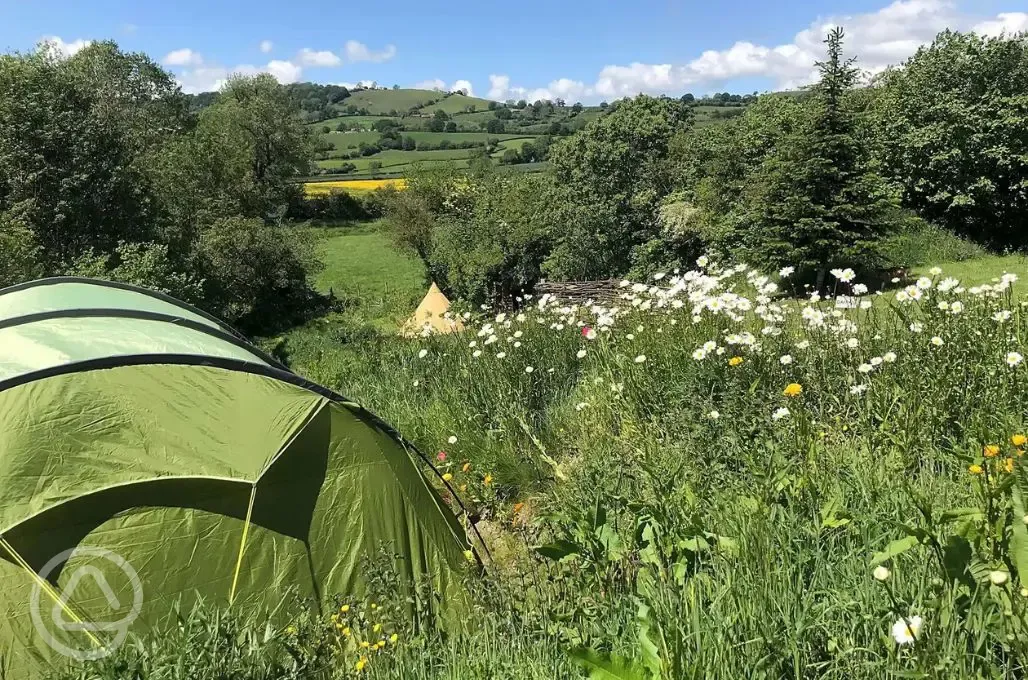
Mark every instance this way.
x=146 y=437
x=431 y=314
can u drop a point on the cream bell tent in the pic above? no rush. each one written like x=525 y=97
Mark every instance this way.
x=431 y=313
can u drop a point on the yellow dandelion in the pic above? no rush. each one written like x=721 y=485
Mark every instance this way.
x=793 y=390
x=974 y=469
x=393 y=638
x=291 y=630
x=347 y=632
x=377 y=627
x=1019 y=440
x=517 y=507
x=335 y=617
x=345 y=608
x=991 y=451
x=380 y=644
x=365 y=644
x=488 y=479
x=339 y=625
x=447 y=477
x=463 y=487
x=735 y=361
x=1008 y=465
x=374 y=606
x=467 y=466
x=361 y=663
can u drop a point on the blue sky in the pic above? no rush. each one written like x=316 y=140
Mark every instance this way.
x=579 y=50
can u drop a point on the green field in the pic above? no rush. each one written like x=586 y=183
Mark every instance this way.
x=384 y=101
x=362 y=264
x=456 y=103
x=393 y=160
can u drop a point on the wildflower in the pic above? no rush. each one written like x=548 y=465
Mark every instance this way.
x=377 y=627
x=1001 y=316
x=937 y=341
x=881 y=573
x=463 y=488
x=858 y=389
x=876 y=361
x=588 y=333
x=465 y=467
x=852 y=343
x=528 y=369
x=640 y=359
x=365 y=644
x=906 y=630
x=709 y=346
x=699 y=354
x=469 y=556
x=935 y=271
x=581 y=406
x=793 y=390
x=580 y=354
x=916 y=327
x=441 y=456
x=345 y=608
x=803 y=344
x=630 y=336
x=517 y=507
x=865 y=368
x=974 y=469
x=859 y=289
x=990 y=451
x=517 y=344
x=518 y=334
x=780 y=413
x=501 y=355
x=347 y=632
x=702 y=261
x=785 y=360
x=1019 y=440
x=477 y=353
x=393 y=638
x=1014 y=358
x=735 y=361
x=998 y=577
x=714 y=415
x=422 y=354
x=948 y=284
x=923 y=283
x=1008 y=465
x=786 y=272
x=362 y=662
x=488 y=479
x=956 y=307
x=889 y=357
x=447 y=477
x=452 y=439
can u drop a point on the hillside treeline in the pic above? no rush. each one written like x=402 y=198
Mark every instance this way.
x=105 y=172
x=931 y=155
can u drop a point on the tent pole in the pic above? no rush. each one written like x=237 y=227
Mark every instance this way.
x=48 y=589
x=242 y=544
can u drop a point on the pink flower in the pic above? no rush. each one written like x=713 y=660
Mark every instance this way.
x=585 y=331
x=441 y=456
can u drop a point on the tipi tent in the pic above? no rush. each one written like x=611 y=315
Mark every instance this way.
x=165 y=457
x=431 y=313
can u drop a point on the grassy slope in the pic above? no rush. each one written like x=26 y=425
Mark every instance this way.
x=384 y=101
x=396 y=160
x=981 y=270
x=457 y=103
x=361 y=263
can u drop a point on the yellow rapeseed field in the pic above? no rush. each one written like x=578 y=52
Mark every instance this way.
x=353 y=186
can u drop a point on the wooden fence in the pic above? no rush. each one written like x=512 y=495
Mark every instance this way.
x=607 y=290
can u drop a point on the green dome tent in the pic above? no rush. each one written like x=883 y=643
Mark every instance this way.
x=149 y=455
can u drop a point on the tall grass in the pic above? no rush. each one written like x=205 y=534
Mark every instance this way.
x=700 y=481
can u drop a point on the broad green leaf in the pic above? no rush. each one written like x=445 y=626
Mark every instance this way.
x=647 y=648
x=894 y=549
x=956 y=560
x=957 y=514
x=559 y=550
x=608 y=666
x=1019 y=538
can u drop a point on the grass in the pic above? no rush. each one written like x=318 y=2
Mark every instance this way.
x=395 y=160
x=981 y=270
x=384 y=101
x=715 y=512
x=352 y=140
x=456 y=103
x=362 y=266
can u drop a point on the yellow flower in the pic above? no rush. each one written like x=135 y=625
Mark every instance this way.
x=291 y=630
x=517 y=507
x=463 y=487
x=346 y=632
x=974 y=469
x=365 y=644
x=1008 y=465
x=469 y=556
x=991 y=451
x=339 y=625
x=488 y=479
x=380 y=644
x=447 y=477
x=793 y=390
x=361 y=663
x=335 y=617
x=1019 y=440
x=393 y=638
x=345 y=608
x=377 y=627
x=735 y=361
x=374 y=606
x=467 y=466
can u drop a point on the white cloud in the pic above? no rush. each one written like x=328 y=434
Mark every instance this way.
x=266 y=46
x=463 y=85
x=1006 y=22
x=284 y=71
x=183 y=57
x=358 y=51
x=325 y=58
x=878 y=39
x=54 y=45
x=434 y=84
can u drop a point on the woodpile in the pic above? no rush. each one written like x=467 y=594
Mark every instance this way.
x=579 y=291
